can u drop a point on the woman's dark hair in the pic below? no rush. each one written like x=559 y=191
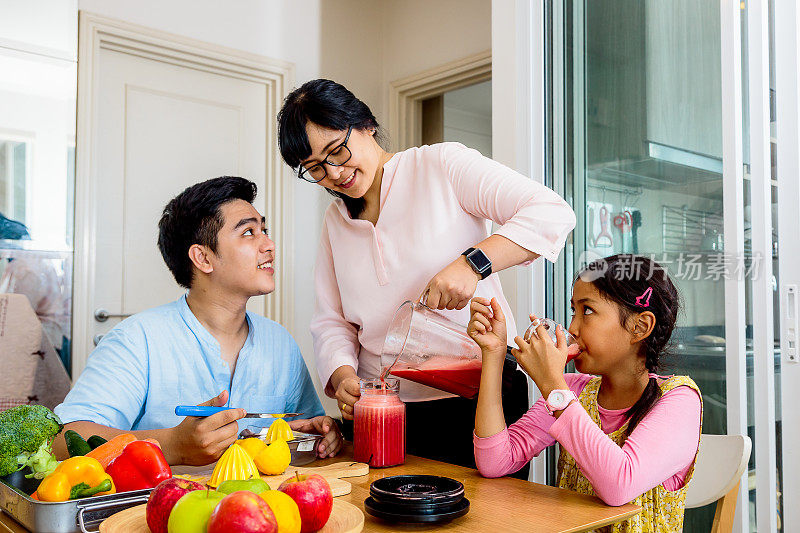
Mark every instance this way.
x=327 y=104
x=195 y=217
x=636 y=284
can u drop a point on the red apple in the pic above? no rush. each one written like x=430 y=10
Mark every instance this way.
x=163 y=499
x=313 y=496
x=242 y=511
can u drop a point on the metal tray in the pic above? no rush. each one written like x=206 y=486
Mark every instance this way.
x=82 y=515
x=303 y=446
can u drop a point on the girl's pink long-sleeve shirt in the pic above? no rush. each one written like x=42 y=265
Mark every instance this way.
x=435 y=202
x=660 y=450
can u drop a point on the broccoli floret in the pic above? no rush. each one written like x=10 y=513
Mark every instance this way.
x=26 y=439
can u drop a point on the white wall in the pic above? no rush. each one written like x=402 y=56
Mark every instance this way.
x=46 y=26
x=468 y=116
x=419 y=35
x=274 y=28
x=352 y=48
x=389 y=40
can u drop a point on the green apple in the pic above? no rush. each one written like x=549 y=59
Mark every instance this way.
x=192 y=511
x=256 y=485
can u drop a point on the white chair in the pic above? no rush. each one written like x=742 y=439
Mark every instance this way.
x=721 y=461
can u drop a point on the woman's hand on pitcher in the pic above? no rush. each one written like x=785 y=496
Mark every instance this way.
x=452 y=287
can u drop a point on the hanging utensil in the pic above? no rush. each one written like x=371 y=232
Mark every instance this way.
x=590 y=241
x=636 y=223
x=604 y=233
x=623 y=223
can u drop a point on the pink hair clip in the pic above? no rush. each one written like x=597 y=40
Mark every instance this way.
x=644 y=299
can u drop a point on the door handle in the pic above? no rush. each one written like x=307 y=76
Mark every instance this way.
x=101 y=315
x=791 y=324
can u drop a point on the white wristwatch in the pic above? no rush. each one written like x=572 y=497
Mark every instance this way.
x=559 y=399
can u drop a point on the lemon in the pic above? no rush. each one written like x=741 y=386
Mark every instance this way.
x=275 y=459
x=279 y=430
x=252 y=446
x=286 y=511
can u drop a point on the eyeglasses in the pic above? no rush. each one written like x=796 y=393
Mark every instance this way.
x=335 y=158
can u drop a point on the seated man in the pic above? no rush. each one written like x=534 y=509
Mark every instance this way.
x=204 y=345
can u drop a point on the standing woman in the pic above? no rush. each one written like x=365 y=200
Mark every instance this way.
x=406 y=225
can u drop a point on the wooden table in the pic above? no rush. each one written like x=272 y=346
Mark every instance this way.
x=504 y=504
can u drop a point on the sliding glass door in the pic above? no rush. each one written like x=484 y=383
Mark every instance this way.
x=662 y=123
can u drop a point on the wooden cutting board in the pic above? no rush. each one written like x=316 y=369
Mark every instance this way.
x=332 y=473
x=345 y=518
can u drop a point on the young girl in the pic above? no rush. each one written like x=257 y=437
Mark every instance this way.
x=626 y=433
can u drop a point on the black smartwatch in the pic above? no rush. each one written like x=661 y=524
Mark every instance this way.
x=479 y=262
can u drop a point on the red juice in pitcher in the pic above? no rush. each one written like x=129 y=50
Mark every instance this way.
x=450 y=374
x=379 y=424
x=426 y=347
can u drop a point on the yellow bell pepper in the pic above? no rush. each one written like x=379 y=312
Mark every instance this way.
x=77 y=477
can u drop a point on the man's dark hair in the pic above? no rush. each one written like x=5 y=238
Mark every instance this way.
x=195 y=217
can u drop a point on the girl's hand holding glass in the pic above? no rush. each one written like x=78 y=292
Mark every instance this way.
x=487 y=327
x=543 y=360
x=551 y=326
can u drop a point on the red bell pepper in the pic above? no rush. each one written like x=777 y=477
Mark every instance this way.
x=141 y=465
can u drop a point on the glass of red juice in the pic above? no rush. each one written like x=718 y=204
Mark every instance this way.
x=379 y=424
x=550 y=325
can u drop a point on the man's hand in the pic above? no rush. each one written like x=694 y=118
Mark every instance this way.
x=321 y=425
x=201 y=441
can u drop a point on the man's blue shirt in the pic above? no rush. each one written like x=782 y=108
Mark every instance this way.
x=164 y=357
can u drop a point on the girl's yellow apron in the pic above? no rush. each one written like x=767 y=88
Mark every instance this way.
x=662 y=510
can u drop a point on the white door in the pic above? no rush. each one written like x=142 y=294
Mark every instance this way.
x=786 y=51
x=161 y=128
x=156 y=128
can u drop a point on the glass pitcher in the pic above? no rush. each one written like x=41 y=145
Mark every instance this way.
x=426 y=347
